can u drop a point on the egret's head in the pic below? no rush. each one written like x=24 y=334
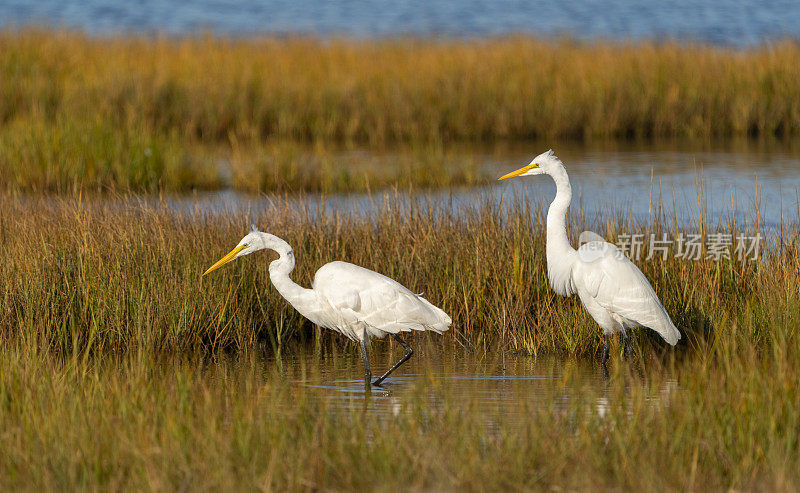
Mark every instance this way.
x=544 y=163
x=252 y=242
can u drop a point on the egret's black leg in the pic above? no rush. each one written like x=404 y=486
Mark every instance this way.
x=604 y=358
x=405 y=358
x=628 y=347
x=604 y=370
x=367 y=373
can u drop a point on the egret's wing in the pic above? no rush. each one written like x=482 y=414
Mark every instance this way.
x=361 y=295
x=617 y=285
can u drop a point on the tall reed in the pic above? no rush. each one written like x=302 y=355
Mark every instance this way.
x=723 y=418
x=157 y=113
x=95 y=292
x=116 y=275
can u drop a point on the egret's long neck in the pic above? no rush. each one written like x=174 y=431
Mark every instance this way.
x=557 y=240
x=299 y=297
x=560 y=254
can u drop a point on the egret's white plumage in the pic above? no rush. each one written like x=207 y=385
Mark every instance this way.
x=613 y=290
x=367 y=301
x=349 y=299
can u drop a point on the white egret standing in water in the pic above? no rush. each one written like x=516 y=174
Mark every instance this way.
x=612 y=289
x=349 y=299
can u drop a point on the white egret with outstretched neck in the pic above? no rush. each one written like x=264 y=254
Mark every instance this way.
x=612 y=289
x=354 y=301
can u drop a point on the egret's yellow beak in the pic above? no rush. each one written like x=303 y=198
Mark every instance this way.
x=227 y=258
x=520 y=171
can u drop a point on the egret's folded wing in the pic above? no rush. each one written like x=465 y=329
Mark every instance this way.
x=362 y=295
x=617 y=285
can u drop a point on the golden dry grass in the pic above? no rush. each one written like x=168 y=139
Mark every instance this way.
x=156 y=113
x=123 y=274
x=94 y=292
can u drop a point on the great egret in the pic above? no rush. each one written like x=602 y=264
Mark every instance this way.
x=612 y=289
x=349 y=299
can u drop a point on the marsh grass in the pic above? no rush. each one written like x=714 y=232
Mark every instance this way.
x=113 y=348
x=122 y=274
x=727 y=420
x=97 y=294
x=159 y=113
x=290 y=166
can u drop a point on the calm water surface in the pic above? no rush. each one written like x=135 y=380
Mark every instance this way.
x=733 y=22
x=496 y=385
x=755 y=183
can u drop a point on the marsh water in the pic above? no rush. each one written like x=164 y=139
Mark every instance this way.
x=757 y=184
x=493 y=384
x=740 y=23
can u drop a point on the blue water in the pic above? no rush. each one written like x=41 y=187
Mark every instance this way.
x=731 y=22
x=758 y=185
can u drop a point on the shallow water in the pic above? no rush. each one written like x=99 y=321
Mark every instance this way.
x=756 y=183
x=740 y=23
x=492 y=384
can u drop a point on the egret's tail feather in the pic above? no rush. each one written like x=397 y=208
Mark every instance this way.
x=667 y=330
x=441 y=321
x=672 y=335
